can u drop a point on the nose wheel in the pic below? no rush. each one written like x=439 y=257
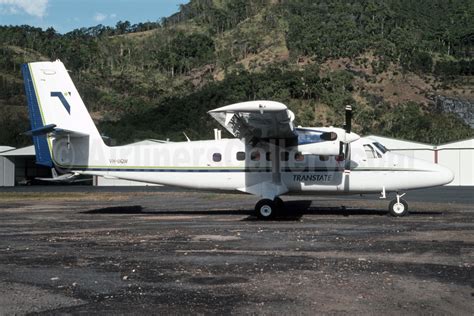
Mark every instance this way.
x=267 y=209
x=398 y=207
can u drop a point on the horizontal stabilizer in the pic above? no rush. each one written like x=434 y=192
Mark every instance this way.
x=63 y=178
x=41 y=131
x=54 y=131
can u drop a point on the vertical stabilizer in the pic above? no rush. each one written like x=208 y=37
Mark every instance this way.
x=53 y=100
x=43 y=156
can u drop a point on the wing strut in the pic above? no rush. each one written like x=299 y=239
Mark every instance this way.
x=270 y=189
x=275 y=156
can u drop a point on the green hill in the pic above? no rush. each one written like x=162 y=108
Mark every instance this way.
x=394 y=60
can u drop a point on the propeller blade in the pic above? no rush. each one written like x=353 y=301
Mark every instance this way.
x=348 y=139
x=347 y=158
x=341 y=149
x=347 y=168
x=348 y=123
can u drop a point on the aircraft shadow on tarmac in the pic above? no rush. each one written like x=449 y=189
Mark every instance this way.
x=294 y=211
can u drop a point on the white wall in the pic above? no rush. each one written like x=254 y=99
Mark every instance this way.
x=7 y=172
x=428 y=155
x=450 y=159
x=466 y=171
x=423 y=154
x=461 y=162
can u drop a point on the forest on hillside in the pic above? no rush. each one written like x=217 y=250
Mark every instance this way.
x=158 y=79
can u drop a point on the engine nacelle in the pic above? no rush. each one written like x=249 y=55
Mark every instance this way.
x=328 y=148
x=342 y=135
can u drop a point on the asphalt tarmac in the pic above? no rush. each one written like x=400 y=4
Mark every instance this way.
x=451 y=194
x=71 y=250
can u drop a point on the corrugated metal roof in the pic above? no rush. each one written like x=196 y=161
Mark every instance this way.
x=25 y=151
x=394 y=144
x=5 y=148
x=147 y=142
x=466 y=143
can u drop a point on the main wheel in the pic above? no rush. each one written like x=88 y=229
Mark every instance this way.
x=398 y=209
x=279 y=204
x=266 y=209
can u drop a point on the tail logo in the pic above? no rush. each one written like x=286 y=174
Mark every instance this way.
x=63 y=100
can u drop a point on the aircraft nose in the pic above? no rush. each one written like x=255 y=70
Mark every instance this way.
x=443 y=175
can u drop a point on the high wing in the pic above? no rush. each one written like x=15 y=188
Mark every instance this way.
x=256 y=120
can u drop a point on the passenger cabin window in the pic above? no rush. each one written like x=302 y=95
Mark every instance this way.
x=323 y=158
x=240 y=155
x=216 y=157
x=255 y=155
x=268 y=156
x=285 y=156
x=299 y=157
x=371 y=153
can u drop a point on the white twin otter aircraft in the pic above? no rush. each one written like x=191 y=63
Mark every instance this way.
x=269 y=156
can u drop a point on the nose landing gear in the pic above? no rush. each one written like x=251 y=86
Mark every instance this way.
x=398 y=207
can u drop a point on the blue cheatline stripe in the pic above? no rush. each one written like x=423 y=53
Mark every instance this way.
x=43 y=157
x=170 y=170
x=63 y=100
x=247 y=170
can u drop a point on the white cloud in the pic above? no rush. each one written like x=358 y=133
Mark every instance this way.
x=100 y=17
x=35 y=8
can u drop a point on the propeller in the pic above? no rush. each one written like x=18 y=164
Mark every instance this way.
x=347 y=149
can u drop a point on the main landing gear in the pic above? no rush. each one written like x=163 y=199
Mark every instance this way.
x=398 y=207
x=268 y=209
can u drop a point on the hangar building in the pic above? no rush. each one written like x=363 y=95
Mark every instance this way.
x=457 y=156
x=17 y=166
x=7 y=176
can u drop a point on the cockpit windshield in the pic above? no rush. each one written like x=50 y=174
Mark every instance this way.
x=380 y=147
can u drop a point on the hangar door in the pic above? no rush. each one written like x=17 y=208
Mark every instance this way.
x=7 y=172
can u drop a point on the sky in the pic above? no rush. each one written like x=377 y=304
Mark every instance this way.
x=66 y=15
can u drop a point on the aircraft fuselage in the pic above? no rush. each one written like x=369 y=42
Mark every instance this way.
x=230 y=164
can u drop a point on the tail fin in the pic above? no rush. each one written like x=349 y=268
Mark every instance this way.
x=55 y=105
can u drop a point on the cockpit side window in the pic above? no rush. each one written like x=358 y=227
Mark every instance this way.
x=380 y=147
x=371 y=152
